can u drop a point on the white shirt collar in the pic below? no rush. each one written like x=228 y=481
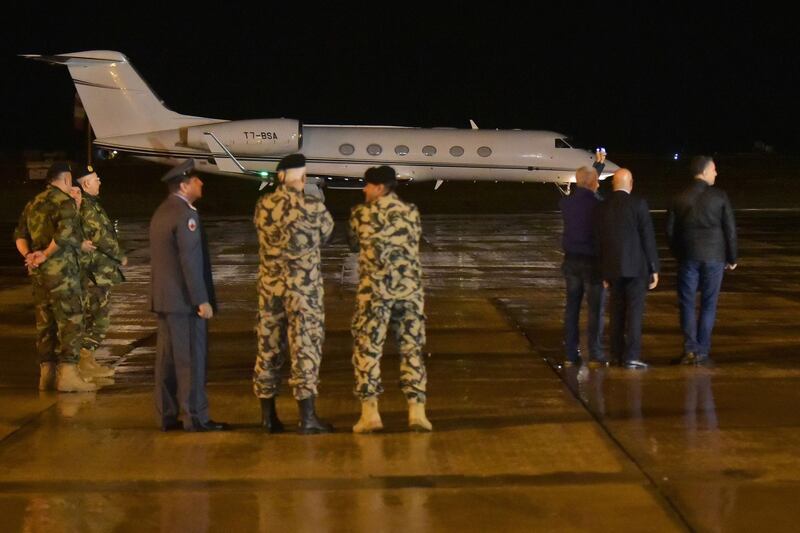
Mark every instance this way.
x=182 y=197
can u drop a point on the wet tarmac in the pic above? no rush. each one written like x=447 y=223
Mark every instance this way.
x=519 y=444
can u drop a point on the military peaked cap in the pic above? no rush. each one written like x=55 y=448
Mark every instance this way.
x=182 y=171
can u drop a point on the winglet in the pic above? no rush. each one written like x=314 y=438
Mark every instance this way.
x=472 y=124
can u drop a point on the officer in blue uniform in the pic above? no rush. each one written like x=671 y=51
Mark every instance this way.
x=182 y=294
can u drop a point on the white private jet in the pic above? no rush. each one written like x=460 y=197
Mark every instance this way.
x=128 y=117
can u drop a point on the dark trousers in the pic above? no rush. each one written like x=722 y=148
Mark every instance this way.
x=582 y=277
x=181 y=365
x=627 y=312
x=707 y=277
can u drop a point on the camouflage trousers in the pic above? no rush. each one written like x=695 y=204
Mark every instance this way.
x=372 y=319
x=59 y=322
x=292 y=324
x=95 y=315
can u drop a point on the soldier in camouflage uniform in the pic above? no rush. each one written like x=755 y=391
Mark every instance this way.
x=48 y=235
x=100 y=270
x=386 y=231
x=291 y=227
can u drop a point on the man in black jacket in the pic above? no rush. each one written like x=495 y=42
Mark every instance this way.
x=629 y=263
x=702 y=235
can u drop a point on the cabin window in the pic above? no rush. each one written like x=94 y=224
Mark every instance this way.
x=562 y=143
x=456 y=151
x=401 y=149
x=484 y=151
x=347 y=149
x=374 y=149
x=429 y=150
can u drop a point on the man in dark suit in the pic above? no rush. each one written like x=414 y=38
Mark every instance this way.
x=182 y=294
x=629 y=263
x=702 y=235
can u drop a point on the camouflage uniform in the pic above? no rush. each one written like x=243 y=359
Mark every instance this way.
x=387 y=233
x=99 y=268
x=291 y=228
x=52 y=215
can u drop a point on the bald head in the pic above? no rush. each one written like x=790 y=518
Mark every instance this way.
x=623 y=180
x=586 y=177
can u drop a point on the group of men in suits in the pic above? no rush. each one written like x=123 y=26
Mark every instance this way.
x=610 y=245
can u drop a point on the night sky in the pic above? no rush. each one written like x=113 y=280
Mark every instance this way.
x=648 y=79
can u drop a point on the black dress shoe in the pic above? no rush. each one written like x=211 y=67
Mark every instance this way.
x=703 y=360
x=210 y=425
x=598 y=362
x=171 y=425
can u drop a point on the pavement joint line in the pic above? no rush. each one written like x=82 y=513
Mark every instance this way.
x=369 y=482
x=656 y=488
x=27 y=421
x=35 y=416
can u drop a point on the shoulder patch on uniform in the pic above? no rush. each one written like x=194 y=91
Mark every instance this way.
x=192 y=224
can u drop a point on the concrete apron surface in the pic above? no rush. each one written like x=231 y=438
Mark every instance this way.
x=519 y=443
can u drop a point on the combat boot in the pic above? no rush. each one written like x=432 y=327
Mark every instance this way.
x=417 y=421
x=69 y=380
x=47 y=376
x=91 y=368
x=370 y=417
x=269 y=416
x=309 y=423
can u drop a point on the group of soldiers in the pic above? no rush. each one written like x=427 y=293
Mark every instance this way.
x=385 y=231
x=73 y=258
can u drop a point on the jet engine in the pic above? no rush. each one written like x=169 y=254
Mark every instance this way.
x=275 y=136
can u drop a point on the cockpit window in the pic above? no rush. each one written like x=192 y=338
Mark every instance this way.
x=562 y=143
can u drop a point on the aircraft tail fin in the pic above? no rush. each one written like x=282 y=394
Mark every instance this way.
x=116 y=98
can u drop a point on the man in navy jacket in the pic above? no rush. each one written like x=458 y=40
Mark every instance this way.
x=581 y=269
x=629 y=263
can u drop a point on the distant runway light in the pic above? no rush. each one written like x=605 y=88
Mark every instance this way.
x=675 y=157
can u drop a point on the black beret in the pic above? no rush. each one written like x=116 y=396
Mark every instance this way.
x=81 y=170
x=292 y=161
x=381 y=175
x=57 y=168
x=182 y=171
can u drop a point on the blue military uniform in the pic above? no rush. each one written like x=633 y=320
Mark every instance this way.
x=180 y=281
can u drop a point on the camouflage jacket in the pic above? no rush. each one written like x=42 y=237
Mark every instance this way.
x=291 y=228
x=102 y=266
x=386 y=233
x=53 y=215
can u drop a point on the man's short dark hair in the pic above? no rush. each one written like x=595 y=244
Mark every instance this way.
x=56 y=169
x=699 y=164
x=174 y=185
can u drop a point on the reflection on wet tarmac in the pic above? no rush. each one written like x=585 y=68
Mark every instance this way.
x=521 y=444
